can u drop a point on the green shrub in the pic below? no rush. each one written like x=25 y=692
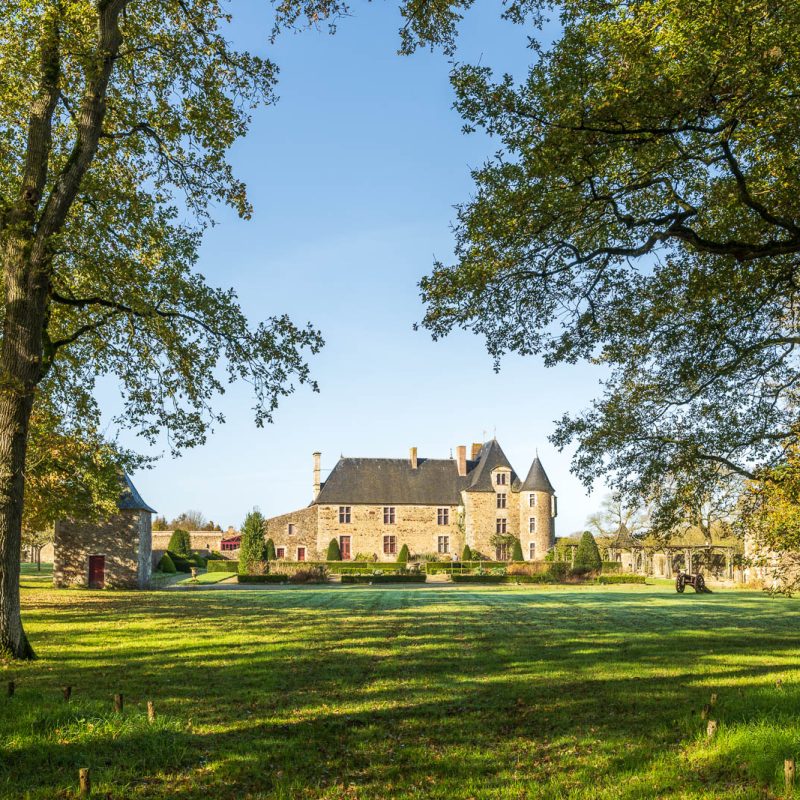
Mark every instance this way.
x=166 y=565
x=262 y=578
x=180 y=543
x=516 y=551
x=269 y=551
x=479 y=578
x=558 y=570
x=312 y=574
x=587 y=556
x=402 y=556
x=181 y=564
x=222 y=565
x=253 y=545
x=334 y=553
x=466 y=553
x=611 y=567
x=413 y=577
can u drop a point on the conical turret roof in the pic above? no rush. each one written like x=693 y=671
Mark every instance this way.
x=537 y=480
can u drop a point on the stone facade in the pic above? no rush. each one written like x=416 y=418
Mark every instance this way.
x=375 y=506
x=123 y=541
x=113 y=553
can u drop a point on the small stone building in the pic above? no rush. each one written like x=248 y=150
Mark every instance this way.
x=113 y=553
x=374 y=506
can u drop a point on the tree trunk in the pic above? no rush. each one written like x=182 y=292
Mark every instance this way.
x=26 y=289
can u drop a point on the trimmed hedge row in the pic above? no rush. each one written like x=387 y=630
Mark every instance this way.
x=411 y=578
x=223 y=565
x=611 y=566
x=621 y=579
x=262 y=578
x=481 y=578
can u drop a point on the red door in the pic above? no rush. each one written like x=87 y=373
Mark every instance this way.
x=97 y=572
x=344 y=547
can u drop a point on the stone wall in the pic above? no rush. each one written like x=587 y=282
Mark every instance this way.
x=305 y=534
x=200 y=540
x=124 y=540
x=414 y=525
x=544 y=535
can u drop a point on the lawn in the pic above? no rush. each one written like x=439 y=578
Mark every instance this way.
x=452 y=692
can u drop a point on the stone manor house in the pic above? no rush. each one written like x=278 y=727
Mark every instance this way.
x=373 y=506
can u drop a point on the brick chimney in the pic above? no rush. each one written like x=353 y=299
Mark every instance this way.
x=317 y=457
x=412 y=457
x=461 y=459
x=476 y=448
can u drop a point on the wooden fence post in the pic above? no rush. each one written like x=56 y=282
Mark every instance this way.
x=118 y=703
x=711 y=730
x=789 y=772
x=84 y=776
x=151 y=711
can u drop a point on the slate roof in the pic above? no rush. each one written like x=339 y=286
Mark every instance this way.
x=391 y=481
x=537 y=480
x=130 y=499
x=490 y=457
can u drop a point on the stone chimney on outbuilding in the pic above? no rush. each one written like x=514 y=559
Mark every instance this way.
x=412 y=457
x=461 y=460
x=317 y=457
x=476 y=449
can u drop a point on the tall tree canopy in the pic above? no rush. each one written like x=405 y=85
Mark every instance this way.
x=642 y=212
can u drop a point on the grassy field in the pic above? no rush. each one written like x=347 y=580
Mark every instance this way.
x=453 y=692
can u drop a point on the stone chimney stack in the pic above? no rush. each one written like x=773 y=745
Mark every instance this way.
x=461 y=459
x=317 y=457
x=476 y=448
x=412 y=457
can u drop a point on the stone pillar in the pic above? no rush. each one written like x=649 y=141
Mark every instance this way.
x=412 y=457
x=461 y=459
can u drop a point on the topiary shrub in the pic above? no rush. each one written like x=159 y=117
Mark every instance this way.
x=466 y=553
x=334 y=553
x=180 y=542
x=166 y=565
x=587 y=556
x=269 y=551
x=516 y=551
x=402 y=556
x=253 y=545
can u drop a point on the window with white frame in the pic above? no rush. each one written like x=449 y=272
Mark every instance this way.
x=502 y=499
x=500 y=525
x=389 y=545
x=344 y=515
x=388 y=515
x=501 y=478
x=443 y=544
x=531 y=524
x=442 y=516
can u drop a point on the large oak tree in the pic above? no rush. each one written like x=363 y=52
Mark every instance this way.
x=643 y=212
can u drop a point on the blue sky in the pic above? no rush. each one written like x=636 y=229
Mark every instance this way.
x=353 y=175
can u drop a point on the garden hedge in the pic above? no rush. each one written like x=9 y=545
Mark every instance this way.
x=411 y=578
x=222 y=565
x=621 y=579
x=262 y=578
x=611 y=566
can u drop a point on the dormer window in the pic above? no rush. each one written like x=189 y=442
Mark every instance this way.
x=501 y=479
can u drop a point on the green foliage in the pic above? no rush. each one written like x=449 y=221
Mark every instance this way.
x=269 y=551
x=402 y=556
x=313 y=573
x=609 y=579
x=466 y=553
x=516 y=551
x=611 y=567
x=182 y=564
x=180 y=543
x=166 y=564
x=334 y=553
x=252 y=548
x=222 y=565
x=416 y=577
x=587 y=556
x=558 y=570
x=637 y=216
x=265 y=578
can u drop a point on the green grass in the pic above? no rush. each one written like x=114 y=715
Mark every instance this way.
x=559 y=693
x=206 y=577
